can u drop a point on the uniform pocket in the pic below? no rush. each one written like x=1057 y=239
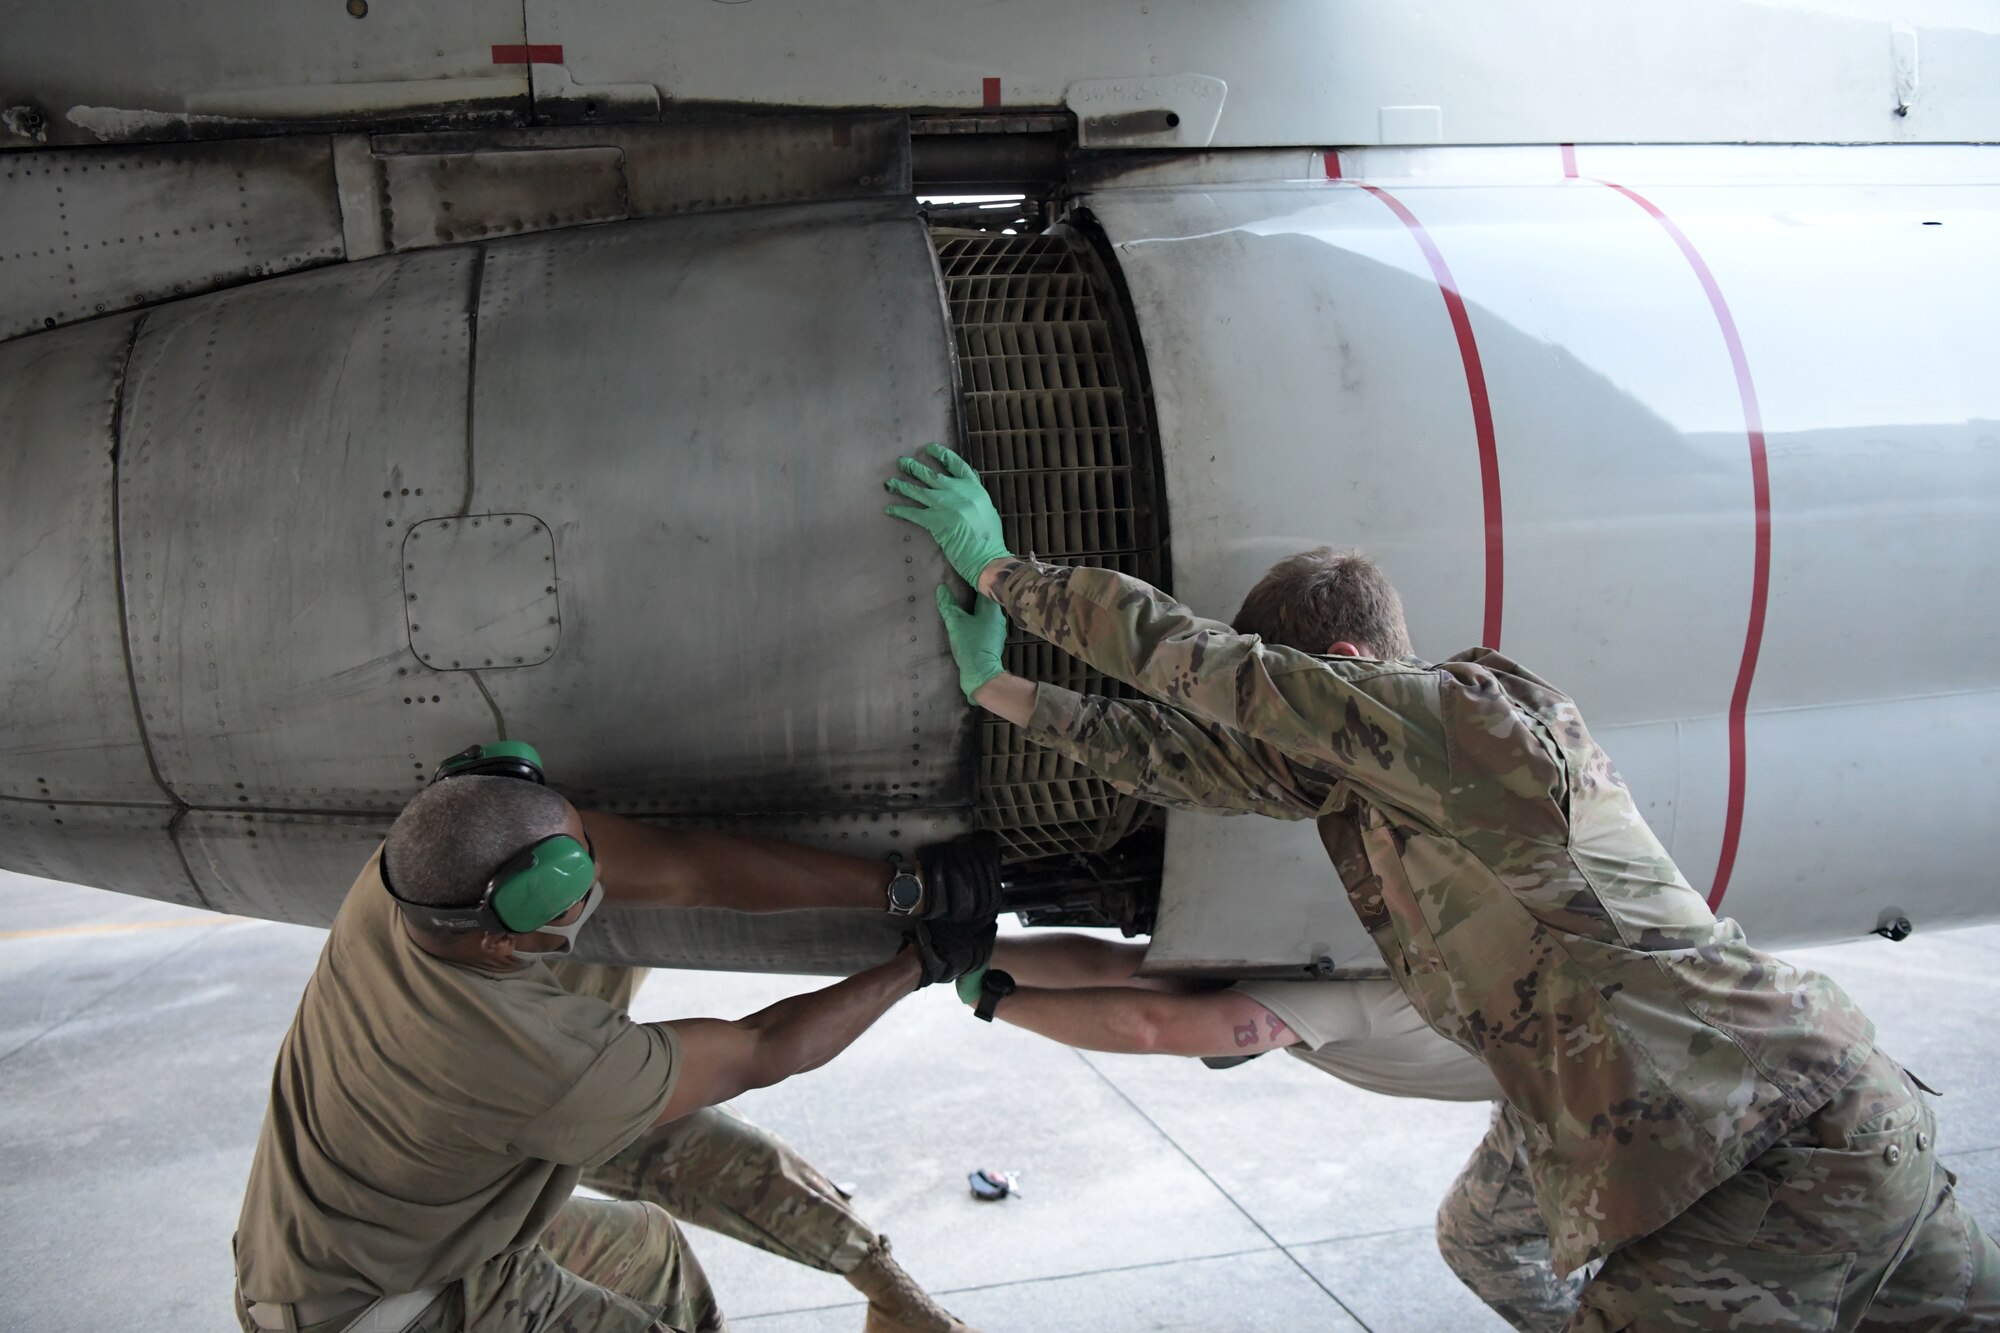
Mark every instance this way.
x=1730 y=1214
x=1671 y=1281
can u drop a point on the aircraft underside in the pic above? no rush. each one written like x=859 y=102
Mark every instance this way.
x=330 y=451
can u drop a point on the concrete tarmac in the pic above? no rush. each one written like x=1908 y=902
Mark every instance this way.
x=136 y=1041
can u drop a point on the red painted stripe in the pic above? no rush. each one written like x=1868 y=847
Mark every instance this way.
x=990 y=89
x=1482 y=412
x=528 y=55
x=1760 y=566
x=1332 y=164
x=1569 y=161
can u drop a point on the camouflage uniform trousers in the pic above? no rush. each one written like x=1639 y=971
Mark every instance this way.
x=601 y=1266
x=716 y=1170
x=1491 y=1233
x=1849 y=1223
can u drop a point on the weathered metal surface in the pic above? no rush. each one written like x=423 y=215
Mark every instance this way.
x=702 y=165
x=87 y=233
x=442 y=198
x=358 y=186
x=1311 y=388
x=665 y=419
x=1158 y=111
x=480 y=591
x=737 y=632
x=561 y=100
x=84 y=233
x=284 y=867
x=126 y=848
x=124 y=72
x=280 y=440
x=67 y=727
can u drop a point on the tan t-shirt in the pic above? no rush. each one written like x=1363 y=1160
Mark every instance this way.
x=1369 y=1034
x=427 y=1117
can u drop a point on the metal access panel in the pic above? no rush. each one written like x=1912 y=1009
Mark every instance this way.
x=481 y=591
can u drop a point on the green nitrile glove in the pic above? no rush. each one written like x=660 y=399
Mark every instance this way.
x=976 y=638
x=954 y=508
x=969 y=984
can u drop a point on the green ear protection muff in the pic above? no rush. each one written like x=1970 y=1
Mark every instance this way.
x=502 y=759
x=532 y=887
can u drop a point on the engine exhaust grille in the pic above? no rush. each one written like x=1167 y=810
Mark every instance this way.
x=1056 y=422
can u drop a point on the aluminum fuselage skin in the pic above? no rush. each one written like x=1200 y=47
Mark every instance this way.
x=1703 y=429
x=1601 y=523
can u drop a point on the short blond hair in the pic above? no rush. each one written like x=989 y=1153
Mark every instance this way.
x=1317 y=598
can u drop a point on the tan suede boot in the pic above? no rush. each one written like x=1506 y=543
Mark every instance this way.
x=896 y=1304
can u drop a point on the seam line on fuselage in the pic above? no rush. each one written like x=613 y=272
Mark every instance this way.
x=492 y=704
x=125 y=610
x=472 y=368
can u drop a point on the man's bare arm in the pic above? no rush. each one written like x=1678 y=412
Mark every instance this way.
x=721 y=1059
x=1128 y=1021
x=1064 y=960
x=651 y=867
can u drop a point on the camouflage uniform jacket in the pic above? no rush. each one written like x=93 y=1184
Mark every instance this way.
x=1504 y=873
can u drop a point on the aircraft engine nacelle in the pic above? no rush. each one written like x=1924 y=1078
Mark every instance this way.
x=1706 y=436
x=273 y=551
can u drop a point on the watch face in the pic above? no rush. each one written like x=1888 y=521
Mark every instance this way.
x=904 y=892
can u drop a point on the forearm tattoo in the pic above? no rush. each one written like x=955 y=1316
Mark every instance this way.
x=1278 y=1034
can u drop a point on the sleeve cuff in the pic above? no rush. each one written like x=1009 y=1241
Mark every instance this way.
x=1056 y=713
x=1017 y=572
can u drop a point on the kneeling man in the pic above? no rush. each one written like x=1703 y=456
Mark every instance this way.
x=439 y=1094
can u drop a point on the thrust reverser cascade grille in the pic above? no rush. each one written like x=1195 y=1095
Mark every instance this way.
x=1056 y=423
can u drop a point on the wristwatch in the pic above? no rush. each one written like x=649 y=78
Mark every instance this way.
x=906 y=891
x=994 y=987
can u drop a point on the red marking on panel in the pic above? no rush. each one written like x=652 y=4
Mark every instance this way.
x=1760 y=565
x=1569 y=161
x=1332 y=164
x=1482 y=412
x=991 y=90
x=528 y=55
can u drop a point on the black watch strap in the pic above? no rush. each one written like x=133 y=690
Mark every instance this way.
x=994 y=987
